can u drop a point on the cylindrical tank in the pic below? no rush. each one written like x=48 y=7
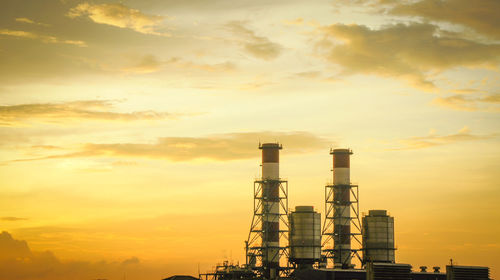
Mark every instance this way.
x=342 y=207
x=378 y=237
x=271 y=208
x=305 y=235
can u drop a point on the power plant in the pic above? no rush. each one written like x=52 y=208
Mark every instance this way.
x=295 y=244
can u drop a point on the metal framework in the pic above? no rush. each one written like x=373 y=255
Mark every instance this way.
x=226 y=271
x=254 y=245
x=332 y=213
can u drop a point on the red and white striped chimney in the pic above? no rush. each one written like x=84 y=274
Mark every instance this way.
x=271 y=208
x=342 y=215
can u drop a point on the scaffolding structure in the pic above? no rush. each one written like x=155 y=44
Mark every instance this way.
x=255 y=247
x=332 y=213
x=342 y=224
x=227 y=271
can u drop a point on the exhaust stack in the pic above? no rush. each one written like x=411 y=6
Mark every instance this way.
x=271 y=208
x=342 y=197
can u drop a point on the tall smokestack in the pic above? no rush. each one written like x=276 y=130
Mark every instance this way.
x=342 y=198
x=271 y=208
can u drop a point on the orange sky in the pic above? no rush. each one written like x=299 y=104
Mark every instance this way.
x=129 y=129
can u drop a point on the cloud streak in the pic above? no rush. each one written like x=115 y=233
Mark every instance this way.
x=12 y=219
x=27 y=20
x=119 y=15
x=405 y=51
x=150 y=64
x=257 y=46
x=433 y=140
x=146 y=64
x=221 y=147
x=12 y=115
x=487 y=103
x=44 y=38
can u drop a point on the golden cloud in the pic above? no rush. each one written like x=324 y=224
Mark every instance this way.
x=488 y=103
x=119 y=15
x=146 y=64
x=432 y=140
x=483 y=16
x=297 y=21
x=44 y=38
x=12 y=219
x=257 y=46
x=220 y=147
x=308 y=74
x=466 y=91
x=27 y=20
x=46 y=147
x=406 y=51
x=70 y=111
x=150 y=63
x=217 y=67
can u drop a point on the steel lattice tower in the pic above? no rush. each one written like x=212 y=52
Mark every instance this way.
x=342 y=223
x=269 y=226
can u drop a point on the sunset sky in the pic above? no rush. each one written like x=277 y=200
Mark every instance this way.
x=129 y=130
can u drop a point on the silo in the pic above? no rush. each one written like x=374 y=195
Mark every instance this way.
x=378 y=237
x=305 y=235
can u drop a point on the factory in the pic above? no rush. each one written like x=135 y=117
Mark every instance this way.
x=297 y=244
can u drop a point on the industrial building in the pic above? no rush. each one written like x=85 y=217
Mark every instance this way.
x=295 y=244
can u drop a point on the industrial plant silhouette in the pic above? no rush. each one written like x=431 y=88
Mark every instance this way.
x=286 y=244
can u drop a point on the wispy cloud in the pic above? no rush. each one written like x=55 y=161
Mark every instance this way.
x=466 y=91
x=297 y=21
x=220 y=147
x=308 y=74
x=12 y=219
x=150 y=63
x=46 y=147
x=257 y=46
x=145 y=64
x=12 y=115
x=433 y=139
x=300 y=22
x=29 y=21
x=121 y=16
x=44 y=38
x=461 y=102
x=405 y=51
x=217 y=67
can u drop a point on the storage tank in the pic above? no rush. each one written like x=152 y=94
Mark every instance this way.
x=305 y=235
x=378 y=237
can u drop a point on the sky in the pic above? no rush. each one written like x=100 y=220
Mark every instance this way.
x=129 y=130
